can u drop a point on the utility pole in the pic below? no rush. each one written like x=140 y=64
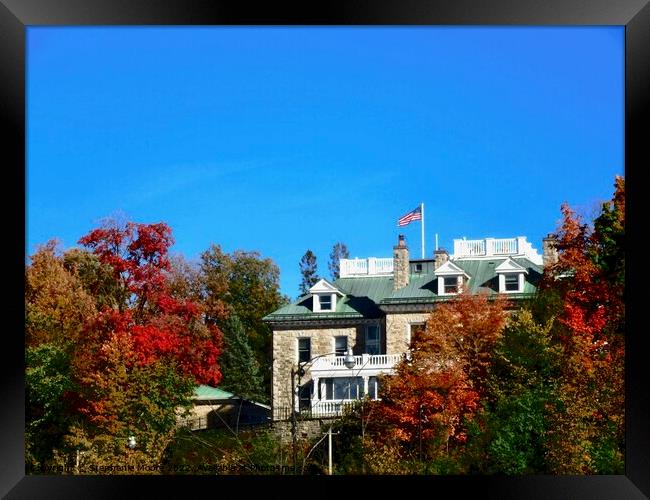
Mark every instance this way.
x=329 y=453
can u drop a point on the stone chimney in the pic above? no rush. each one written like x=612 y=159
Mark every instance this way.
x=441 y=257
x=400 y=264
x=549 y=255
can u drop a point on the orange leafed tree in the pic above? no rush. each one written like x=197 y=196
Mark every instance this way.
x=437 y=388
x=589 y=278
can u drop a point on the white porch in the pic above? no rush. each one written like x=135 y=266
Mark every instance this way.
x=324 y=401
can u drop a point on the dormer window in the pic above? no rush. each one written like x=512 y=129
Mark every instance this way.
x=451 y=279
x=325 y=301
x=511 y=282
x=511 y=276
x=450 y=284
x=324 y=296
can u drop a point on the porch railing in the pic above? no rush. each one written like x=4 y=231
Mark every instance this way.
x=373 y=361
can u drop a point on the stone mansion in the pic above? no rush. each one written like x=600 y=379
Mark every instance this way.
x=372 y=310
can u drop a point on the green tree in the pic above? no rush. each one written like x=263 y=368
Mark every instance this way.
x=47 y=418
x=522 y=380
x=239 y=368
x=309 y=271
x=339 y=251
x=247 y=285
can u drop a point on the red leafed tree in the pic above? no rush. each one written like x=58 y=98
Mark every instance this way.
x=587 y=430
x=161 y=327
x=426 y=405
x=138 y=359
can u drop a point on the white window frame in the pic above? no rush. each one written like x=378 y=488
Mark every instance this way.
x=374 y=396
x=317 y=302
x=459 y=284
x=520 y=282
x=347 y=343
x=352 y=381
x=409 y=333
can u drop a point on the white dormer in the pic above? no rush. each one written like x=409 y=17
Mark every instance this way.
x=511 y=276
x=450 y=278
x=324 y=296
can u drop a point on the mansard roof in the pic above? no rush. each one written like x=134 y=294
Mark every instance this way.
x=364 y=297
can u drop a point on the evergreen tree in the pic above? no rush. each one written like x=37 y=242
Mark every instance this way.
x=239 y=368
x=339 y=251
x=308 y=269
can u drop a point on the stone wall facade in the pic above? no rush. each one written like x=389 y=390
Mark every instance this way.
x=285 y=353
x=398 y=330
x=306 y=430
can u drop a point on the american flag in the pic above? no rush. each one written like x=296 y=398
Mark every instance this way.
x=415 y=214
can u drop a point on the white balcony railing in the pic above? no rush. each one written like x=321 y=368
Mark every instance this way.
x=372 y=266
x=363 y=362
x=496 y=247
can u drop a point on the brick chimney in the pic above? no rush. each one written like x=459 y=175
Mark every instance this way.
x=549 y=255
x=400 y=264
x=441 y=257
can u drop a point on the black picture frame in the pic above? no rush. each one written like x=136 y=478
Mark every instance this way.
x=16 y=15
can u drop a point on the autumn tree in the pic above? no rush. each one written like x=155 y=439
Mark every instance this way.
x=339 y=251
x=185 y=281
x=587 y=432
x=56 y=308
x=56 y=303
x=308 y=271
x=425 y=407
x=116 y=349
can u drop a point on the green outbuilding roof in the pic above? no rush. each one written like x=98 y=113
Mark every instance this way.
x=207 y=392
x=363 y=296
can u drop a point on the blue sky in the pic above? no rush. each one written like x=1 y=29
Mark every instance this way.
x=286 y=139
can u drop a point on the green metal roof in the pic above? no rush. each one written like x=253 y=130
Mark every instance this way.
x=364 y=295
x=424 y=288
x=207 y=392
x=361 y=298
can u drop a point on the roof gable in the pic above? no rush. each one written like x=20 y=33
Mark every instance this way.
x=450 y=269
x=324 y=286
x=510 y=266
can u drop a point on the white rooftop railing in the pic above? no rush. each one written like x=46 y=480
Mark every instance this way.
x=496 y=247
x=371 y=266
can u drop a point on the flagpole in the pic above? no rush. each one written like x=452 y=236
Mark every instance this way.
x=422 y=210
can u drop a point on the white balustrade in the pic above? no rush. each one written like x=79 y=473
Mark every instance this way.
x=496 y=247
x=365 y=361
x=506 y=246
x=371 y=266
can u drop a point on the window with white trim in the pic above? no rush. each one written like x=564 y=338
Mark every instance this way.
x=343 y=388
x=325 y=302
x=415 y=329
x=511 y=282
x=451 y=284
x=373 y=387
